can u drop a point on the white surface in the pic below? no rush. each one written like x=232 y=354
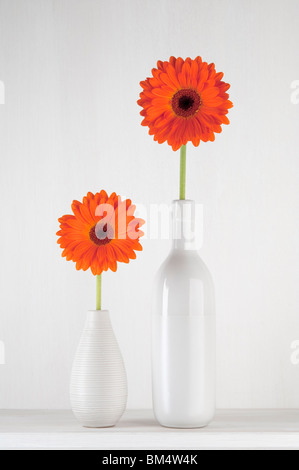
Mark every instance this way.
x=138 y=430
x=183 y=332
x=98 y=389
x=71 y=70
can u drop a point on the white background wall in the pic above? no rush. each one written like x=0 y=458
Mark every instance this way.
x=71 y=124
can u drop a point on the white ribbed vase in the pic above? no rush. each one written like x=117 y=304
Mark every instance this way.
x=98 y=383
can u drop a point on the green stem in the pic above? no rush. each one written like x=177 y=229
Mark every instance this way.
x=183 y=173
x=99 y=292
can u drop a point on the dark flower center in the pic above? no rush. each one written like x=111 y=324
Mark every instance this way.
x=186 y=102
x=101 y=234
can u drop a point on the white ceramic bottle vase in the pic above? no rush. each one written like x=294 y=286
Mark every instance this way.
x=183 y=331
x=99 y=383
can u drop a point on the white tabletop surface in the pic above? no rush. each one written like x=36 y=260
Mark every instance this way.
x=231 y=429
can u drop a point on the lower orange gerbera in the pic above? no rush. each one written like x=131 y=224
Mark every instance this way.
x=102 y=231
x=184 y=100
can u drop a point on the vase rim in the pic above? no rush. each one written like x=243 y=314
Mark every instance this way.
x=97 y=315
x=183 y=201
x=98 y=311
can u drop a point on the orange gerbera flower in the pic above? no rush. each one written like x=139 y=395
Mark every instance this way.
x=184 y=100
x=102 y=231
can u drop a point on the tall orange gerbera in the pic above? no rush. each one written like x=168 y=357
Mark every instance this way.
x=184 y=101
x=101 y=232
